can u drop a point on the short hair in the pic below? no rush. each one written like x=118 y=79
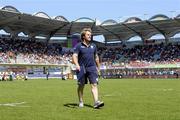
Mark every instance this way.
x=83 y=32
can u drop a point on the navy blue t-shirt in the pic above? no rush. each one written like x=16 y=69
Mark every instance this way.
x=86 y=55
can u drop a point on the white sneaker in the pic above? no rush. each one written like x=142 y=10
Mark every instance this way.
x=81 y=104
x=98 y=104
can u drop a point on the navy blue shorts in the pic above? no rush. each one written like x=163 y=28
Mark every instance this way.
x=87 y=74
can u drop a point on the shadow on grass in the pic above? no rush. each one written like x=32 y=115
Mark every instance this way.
x=75 y=105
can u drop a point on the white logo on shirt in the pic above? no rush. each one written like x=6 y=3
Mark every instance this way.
x=82 y=46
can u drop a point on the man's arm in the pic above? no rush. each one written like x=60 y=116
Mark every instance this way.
x=75 y=60
x=97 y=61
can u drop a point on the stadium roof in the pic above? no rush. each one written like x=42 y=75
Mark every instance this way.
x=40 y=24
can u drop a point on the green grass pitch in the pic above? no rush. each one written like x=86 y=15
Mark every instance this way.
x=125 y=99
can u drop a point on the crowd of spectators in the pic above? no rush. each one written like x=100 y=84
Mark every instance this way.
x=114 y=60
x=160 y=53
x=31 y=52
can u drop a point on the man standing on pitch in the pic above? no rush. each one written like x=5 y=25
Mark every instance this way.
x=86 y=59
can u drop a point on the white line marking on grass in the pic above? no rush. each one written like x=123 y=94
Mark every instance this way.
x=14 y=104
x=170 y=89
x=112 y=95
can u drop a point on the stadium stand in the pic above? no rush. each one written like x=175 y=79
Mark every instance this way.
x=20 y=51
x=148 y=53
x=150 y=58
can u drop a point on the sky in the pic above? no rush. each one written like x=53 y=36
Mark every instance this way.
x=101 y=10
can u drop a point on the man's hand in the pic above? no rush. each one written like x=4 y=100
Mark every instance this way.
x=98 y=70
x=78 y=67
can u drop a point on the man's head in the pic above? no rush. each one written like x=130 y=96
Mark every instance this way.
x=86 y=34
